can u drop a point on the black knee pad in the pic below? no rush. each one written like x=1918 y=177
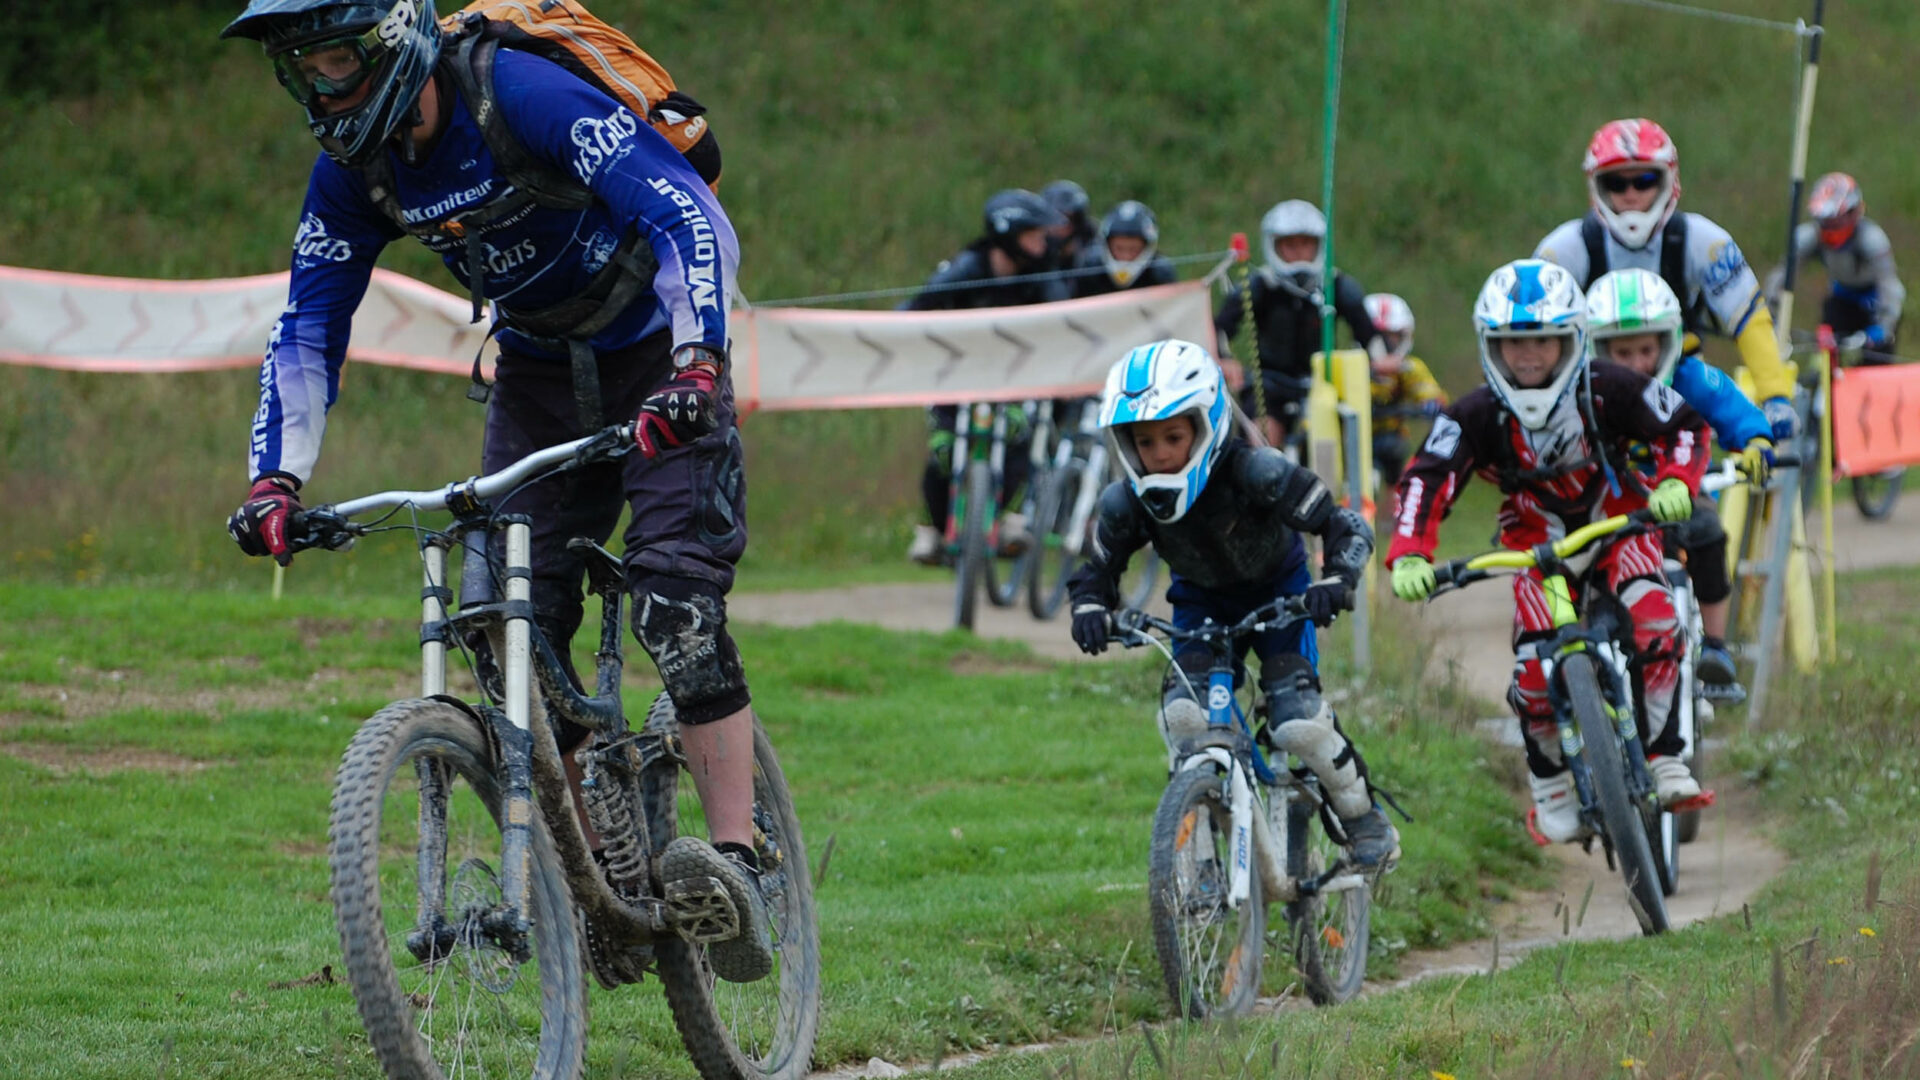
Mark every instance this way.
x=682 y=623
x=1292 y=688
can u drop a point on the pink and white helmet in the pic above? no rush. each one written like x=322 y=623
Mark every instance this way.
x=1629 y=149
x=1391 y=315
x=1836 y=206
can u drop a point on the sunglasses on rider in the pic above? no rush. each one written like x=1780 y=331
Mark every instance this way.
x=1617 y=182
x=333 y=69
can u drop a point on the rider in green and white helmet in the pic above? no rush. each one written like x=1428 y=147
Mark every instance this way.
x=1634 y=319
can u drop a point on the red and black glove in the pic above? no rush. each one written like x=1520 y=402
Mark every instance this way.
x=260 y=525
x=687 y=407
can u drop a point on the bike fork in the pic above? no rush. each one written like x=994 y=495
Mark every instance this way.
x=516 y=744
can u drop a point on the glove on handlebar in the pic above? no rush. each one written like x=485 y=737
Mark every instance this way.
x=687 y=407
x=1670 y=501
x=1756 y=461
x=1092 y=628
x=1780 y=414
x=259 y=526
x=1325 y=601
x=1413 y=579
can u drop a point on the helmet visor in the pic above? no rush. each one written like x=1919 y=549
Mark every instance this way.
x=333 y=69
x=1531 y=359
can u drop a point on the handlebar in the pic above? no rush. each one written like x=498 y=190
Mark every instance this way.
x=1459 y=573
x=1132 y=624
x=331 y=525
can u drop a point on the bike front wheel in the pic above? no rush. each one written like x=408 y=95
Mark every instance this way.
x=1626 y=823
x=975 y=511
x=1331 y=929
x=413 y=840
x=761 y=1030
x=1053 y=554
x=1210 y=949
x=1877 y=493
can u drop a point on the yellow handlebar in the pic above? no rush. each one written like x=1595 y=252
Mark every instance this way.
x=1572 y=542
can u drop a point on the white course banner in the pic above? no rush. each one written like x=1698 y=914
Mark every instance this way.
x=784 y=358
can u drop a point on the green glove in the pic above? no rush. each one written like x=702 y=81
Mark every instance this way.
x=1413 y=578
x=1671 y=502
x=1755 y=460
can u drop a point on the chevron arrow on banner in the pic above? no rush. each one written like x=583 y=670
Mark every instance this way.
x=884 y=354
x=1023 y=350
x=1094 y=341
x=814 y=357
x=954 y=353
x=141 y=324
x=76 y=319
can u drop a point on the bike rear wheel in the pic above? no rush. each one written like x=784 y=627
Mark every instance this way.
x=761 y=1030
x=1054 y=557
x=453 y=1000
x=1141 y=579
x=1877 y=493
x=1331 y=929
x=1210 y=951
x=1625 y=822
x=975 y=511
x=1006 y=575
x=1687 y=823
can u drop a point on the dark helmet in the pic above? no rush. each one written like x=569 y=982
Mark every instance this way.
x=1070 y=199
x=1014 y=211
x=1130 y=218
x=392 y=44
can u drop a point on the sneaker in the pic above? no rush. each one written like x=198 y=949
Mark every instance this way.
x=1673 y=780
x=1714 y=665
x=1555 y=817
x=1181 y=718
x=926 y=545
x=1372 y=841
x=715 y=900
x=1015 y=536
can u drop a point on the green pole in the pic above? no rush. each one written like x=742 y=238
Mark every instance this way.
x=1336 y=9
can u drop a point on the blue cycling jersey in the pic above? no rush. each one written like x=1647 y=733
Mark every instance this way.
x=1736 y=420
x=641 y=185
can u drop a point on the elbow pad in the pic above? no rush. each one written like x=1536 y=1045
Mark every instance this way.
x=1349 y=545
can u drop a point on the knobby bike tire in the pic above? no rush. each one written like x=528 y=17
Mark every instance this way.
x=1053 y=564
x=1146 y=578
x=1187 y=886
x=1626 y=828
x=778 y=1017
x=1876 y=494
x=400 y=1023
x=973 y=544
x=1331 y=931
x=1007 y=576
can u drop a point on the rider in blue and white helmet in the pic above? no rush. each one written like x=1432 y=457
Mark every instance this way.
x=1531 y=320
x=1228 y=518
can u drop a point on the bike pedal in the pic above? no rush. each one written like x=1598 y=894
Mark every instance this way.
x=1698 y=802
x=1730 y=694
x=701 y=911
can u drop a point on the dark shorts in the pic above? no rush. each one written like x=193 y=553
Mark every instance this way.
x=1194 y=604
x=689 y=504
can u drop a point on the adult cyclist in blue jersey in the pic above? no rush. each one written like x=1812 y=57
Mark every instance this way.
x=609 y=280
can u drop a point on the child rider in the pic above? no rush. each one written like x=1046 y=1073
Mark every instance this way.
x=1634 y=320
x=1228 y=519
x=1549 y=428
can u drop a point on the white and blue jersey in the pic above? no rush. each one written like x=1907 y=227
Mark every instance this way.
x=640 y=183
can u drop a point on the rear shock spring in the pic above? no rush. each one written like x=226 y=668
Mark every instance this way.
x=610 y=808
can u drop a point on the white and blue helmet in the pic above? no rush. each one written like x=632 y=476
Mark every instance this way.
x=1159 y=382
x=1532 y=298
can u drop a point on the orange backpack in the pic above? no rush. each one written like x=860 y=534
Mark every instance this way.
x=569 y=35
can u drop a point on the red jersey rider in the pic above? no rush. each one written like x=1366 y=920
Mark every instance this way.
x=1552 y=431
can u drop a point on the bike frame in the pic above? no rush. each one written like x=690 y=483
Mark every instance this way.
x=982 y=436
x=1258 y=843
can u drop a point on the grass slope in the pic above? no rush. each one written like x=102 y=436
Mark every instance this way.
x=861 y=138
x=166 y=762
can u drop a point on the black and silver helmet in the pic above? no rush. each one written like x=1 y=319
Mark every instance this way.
x=1012 y=212
x=329 y=48
x=1133 y=219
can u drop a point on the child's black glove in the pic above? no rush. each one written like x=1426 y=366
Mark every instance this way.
x=1326 y=600
x=1092 y=626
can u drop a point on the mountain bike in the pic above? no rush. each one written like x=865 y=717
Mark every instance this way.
x=1875 y=493
x=467 y=897
x=1065 y=509
x=1234 y=833
x=977 y=491
x=1586 y=664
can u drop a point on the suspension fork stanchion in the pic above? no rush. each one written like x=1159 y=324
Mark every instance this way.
x=958 y=459
x=430 y=881
x=516 y=743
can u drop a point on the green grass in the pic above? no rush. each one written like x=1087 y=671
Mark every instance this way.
x=163 y=830
x=1792 y=986
x=861 y=139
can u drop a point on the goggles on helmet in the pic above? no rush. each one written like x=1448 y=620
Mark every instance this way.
x=334 y=68
x=1617 y=182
